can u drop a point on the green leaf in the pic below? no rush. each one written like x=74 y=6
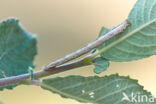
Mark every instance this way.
x=97 y=90
x=139 y=39
x=100 y=65
x=17 y=50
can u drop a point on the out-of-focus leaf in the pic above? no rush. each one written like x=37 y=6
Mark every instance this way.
x=17 y=50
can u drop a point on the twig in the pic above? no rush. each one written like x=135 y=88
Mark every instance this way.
x=42 y=73
x=88 y=47
x=57 y=67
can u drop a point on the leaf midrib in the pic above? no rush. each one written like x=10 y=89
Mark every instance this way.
x=65 y=94
x=122 y=38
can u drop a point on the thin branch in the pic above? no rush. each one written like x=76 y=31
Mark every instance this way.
x=88 y=47
x=59 y=66
x=43 y=73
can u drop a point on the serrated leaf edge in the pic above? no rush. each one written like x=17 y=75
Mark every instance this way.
x=66 y=95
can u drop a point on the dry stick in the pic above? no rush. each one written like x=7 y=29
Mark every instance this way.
x=88 y=47
x=56 y=67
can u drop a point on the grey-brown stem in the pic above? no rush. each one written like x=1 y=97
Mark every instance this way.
x=59 y=66
x=88 y=47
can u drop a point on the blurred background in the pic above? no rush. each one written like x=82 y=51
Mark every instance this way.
x=63 y=26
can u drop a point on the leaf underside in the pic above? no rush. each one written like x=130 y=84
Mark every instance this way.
x=100 y=65
x=17 y=50
x=94 y=89
x=138 y=40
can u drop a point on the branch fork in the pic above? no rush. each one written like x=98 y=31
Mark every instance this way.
x=61 y=64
